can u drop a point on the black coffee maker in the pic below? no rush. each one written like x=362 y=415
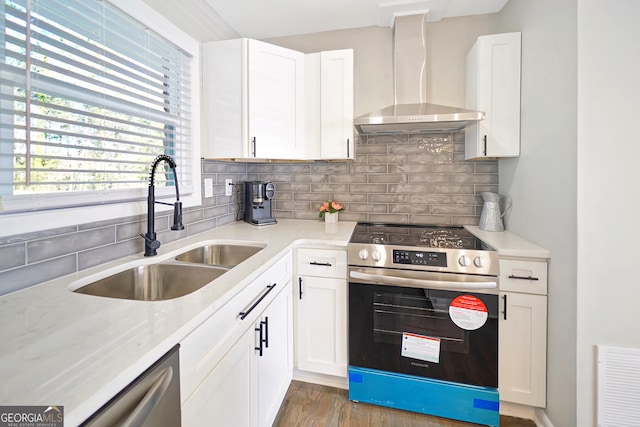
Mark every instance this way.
x=257 y=202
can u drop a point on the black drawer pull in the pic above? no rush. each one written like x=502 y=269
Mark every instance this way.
x=511 y=276
x=323 y=264
x=300 y=287
x=265 y=322
x=244 y=314
x=505 y=306
x=260 y=340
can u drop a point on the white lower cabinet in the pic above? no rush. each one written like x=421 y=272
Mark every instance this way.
x=237 y=366
x=275 y=366
x=321 y=311
x=226 y=395
x=522 y=329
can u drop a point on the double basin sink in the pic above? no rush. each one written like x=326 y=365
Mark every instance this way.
x=184 y=274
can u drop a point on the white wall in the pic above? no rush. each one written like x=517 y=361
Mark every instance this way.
x=542 y=181
x=608 y=185
x=447 y=44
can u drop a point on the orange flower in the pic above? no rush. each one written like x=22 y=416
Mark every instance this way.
x=330 y=207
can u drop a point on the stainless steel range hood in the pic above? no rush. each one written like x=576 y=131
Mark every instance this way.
x=410 y=113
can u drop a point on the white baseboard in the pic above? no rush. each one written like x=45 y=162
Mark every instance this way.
x=541 y=419
x=322 y=379
x=517 y=410
x=537 y=415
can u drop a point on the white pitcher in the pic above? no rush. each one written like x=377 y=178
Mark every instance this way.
x=491 y=217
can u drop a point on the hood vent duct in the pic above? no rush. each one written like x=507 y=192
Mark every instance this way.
x=410 y=113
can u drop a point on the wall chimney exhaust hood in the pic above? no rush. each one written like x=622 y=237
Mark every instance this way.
x=410 y=113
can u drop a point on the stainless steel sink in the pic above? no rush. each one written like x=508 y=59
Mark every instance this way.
x=227 y=255
x=154 y=282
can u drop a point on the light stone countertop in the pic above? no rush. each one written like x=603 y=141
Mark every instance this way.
x=62 y=348
x=509 y=244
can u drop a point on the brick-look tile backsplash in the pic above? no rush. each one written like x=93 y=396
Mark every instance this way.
x=406 y=179
x=29 y=259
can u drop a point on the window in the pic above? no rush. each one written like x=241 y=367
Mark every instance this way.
x=88 y=98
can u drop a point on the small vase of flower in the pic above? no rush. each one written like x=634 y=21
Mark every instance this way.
x=329 y=211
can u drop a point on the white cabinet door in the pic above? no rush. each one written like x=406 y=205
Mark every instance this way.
x=322 y=325
x=522 y=355
x=276 y=101
x=329 y=103
x=275 y=366
x=227 y=394
x=493 y=86
x=253 y=101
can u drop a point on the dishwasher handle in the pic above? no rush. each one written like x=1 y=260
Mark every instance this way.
x=148 y=403
x=423 y=283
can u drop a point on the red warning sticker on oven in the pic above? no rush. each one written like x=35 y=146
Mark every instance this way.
x=468 y=312
x=421 y=347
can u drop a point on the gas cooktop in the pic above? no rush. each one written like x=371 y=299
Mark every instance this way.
x=431 y=236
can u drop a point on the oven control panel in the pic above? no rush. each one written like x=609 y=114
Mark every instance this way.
x=430 y=259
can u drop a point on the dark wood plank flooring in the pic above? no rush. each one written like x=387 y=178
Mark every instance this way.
x=312 y=405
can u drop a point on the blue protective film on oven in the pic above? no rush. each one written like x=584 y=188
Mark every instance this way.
x=445 y=399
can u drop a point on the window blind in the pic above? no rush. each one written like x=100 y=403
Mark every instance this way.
x=89 y=97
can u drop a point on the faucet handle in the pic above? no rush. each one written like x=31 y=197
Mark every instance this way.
x=151 y=242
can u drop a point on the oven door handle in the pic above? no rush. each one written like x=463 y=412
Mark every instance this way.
x=422 y=283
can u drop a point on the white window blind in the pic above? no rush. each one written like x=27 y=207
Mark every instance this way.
x=89 y=97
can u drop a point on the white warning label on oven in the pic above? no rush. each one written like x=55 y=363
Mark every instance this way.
x=421 y=347
x=468 y=312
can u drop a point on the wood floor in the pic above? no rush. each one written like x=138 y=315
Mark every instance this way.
x=312 y=405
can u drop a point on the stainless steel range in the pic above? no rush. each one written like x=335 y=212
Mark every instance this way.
x=423 y=320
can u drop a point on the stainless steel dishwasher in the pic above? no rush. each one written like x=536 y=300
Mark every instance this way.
x=151 y=400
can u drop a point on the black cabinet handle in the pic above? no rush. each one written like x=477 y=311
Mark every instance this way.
x=265 y=322
x=323 y=264
x=505 y=306
x=244 y=314
x=511 y=276
x=260 y=340
x=348 y=147
x=299 y=287
x=485 y=145
x=253 y=141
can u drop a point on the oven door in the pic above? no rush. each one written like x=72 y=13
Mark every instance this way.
x=433 y=325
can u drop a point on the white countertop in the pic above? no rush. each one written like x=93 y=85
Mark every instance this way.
x=62 y=348
x=510 y=245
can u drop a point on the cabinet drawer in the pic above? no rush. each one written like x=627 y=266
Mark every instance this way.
x=322 y=263
x=203 y=348
x=523 y=276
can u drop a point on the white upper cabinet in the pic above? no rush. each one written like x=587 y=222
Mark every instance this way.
x=329 y=105
x=253 y=101
x=493 y=86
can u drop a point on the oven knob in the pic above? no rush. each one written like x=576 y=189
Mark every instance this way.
x=376 y=256
x=363 y=254
x=480 y=262
x=464 y=260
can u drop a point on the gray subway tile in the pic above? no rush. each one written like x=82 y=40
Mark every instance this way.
x=34 y=274
x=330 y=188
x=388 y=178
x=388 y=198
x=348 y=178
x=200 y=227
x=40 y=250
x=102 y=254
x=452 y=210
x=37 y=235
x=368 y=188
x=367 y=207
x=12 y=256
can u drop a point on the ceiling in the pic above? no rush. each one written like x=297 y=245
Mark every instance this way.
x=208 y=20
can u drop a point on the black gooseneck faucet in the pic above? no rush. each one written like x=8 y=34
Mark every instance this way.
x=151 y=244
